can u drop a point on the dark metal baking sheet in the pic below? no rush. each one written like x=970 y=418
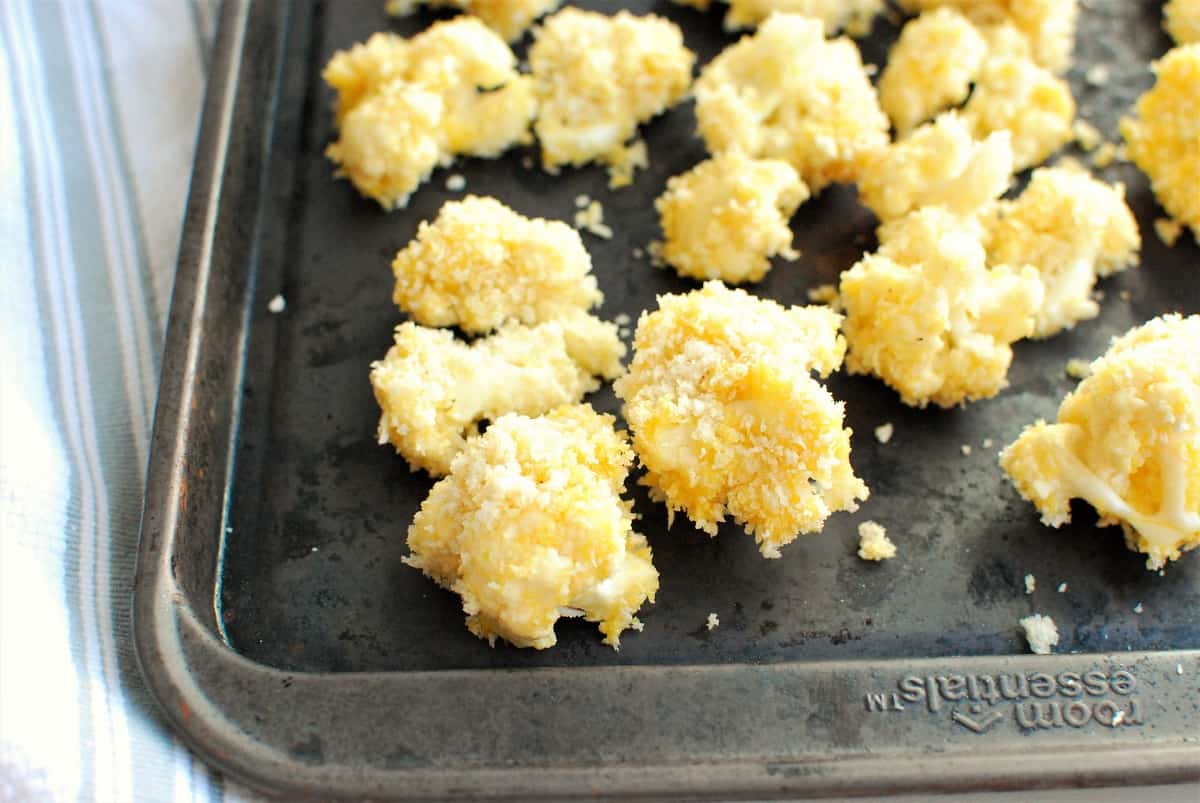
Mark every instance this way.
x=284 y=638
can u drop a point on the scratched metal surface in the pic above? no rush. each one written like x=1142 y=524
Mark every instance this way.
x=311 y=572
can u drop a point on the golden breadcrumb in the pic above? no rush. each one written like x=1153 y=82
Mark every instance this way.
x=1127 y=441
x=1087 y=135
x=480 y=264
x=1181 y=18
x=434 y=390
x=927 y=316
x=530 y=526
x=408 y=105
x=727 y=216
x=930 y=68
x=1072 y=228
x=1077 y=368
x=873 y=543
x=590 y=218
x=509 y=18
x=1168 y=230
x=1048 y=26
x=1164 y=136
x=1018 y=96
x=788 y=93
x=728 y=420
x=939 y=163
x=598 y=77
x=1040 y=632
x=854 y=16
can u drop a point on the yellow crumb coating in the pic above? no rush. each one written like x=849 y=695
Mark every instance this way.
x=480 y=264
x=788 y=93
x=1127 y=441
x=728 y=420
x=1181 y=18
x=1028 y=101
x=853 y=16
x=509 y=18
x=1072 y=228
x=598 y=77
x=434 y=390
x=727 y=216
x=927 y=316
x=931 y=67
x=408 y=105
x=939 y=163
x=1164 y=135
x=530 y=526
x=873 y=542
x=1048 y=26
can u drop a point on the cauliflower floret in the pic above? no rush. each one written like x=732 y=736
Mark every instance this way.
x=1018 y=96
x=598 y=77
x=480 y=264
x=1048 y=26
x=726 y=217
x=940 y=163
x=434 y=390
x=530 y=526
x=927 y=316
x=931 y=67
x=727 y=419
x=855 y=16
x=1181 y=18
x=406 y=106
x=788 y=93
x=509 y=18
x=1072 y=228
x=1164 y=137
x=1127 y=441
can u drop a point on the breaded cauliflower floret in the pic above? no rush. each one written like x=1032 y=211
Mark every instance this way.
x=1181 y=18
x=1072 y=228
x=434 y=390
x=1164 y=137
x=927 y=316
x=598 y=77
x=408 y=105
x=726 y=217
x=854 y=16
x=480 y=264
x=788 y=93
x=930 y=68
x=939 y=163
x=530 y=526
x=1127 y=441
x=509 y=18
x=728 y=420
x=1047 y=25
x=1018 y=96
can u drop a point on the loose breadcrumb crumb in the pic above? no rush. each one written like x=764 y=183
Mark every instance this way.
x=988 y=443
x=1087 y=135
x=1181 y=18
x=824 y=294
x=509 y=18
x=1097 y=75
x=1030 y=584
x=1078 y=369
x=1168 y=230
x=456 y=182
x=1041 y=633
x=873 y=543
x=621 y=319
x=1105 y=155
x=966 y=449
x=1138 y=608
x=277 y=304
x=713 y=622
x=591 y=220
x=1062 y=588
x=530 y=526
x=884 y=432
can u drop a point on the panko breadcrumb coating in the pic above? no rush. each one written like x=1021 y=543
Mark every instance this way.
x=1018 y=96
x=728 y=420
x=408 y=105
x=509 y=18
x=941 y=164
x=1127 y=441
x=1072 y=228
x=927 y=316
x=854 y=16
x=1164 y=136
x=930 y=68
x=1181 y=18
x=480 y=264
x=727 y=216
x=1048 y=26
x=873 y=542
x=598 y=77
x=788 y=93
x=530 y=526
x=433 y=390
